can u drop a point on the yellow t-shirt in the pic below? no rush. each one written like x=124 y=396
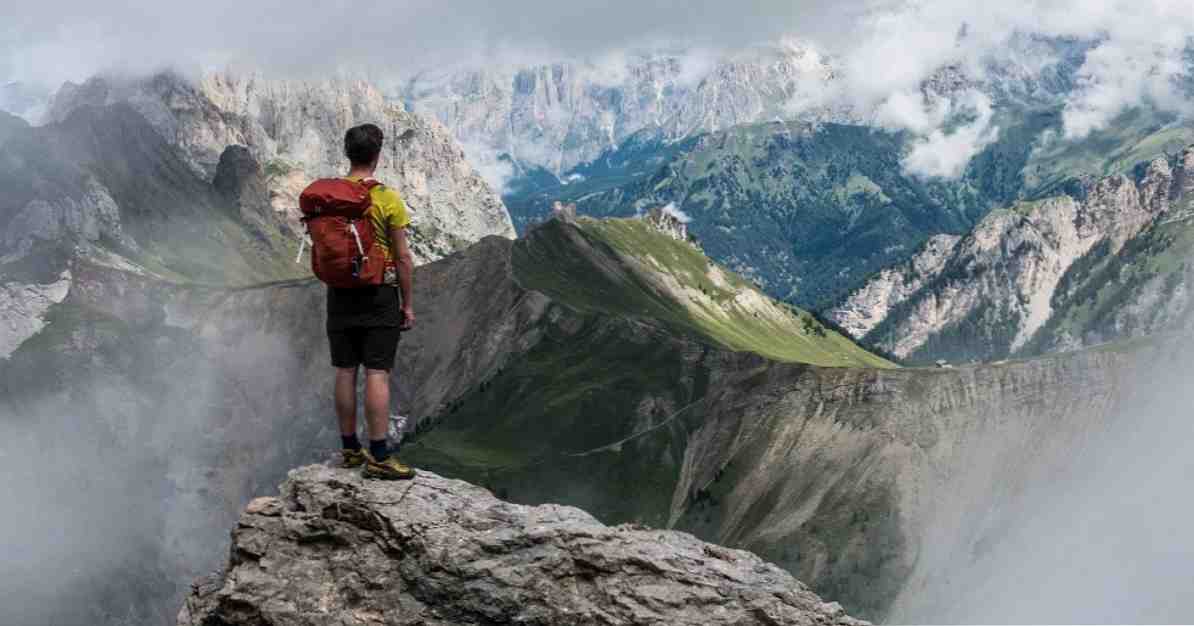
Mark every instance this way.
x=389 y=211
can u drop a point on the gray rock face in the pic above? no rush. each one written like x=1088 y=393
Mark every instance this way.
x=335 y=548
x=559 y=116
x=1015 y=282
x=296 y=129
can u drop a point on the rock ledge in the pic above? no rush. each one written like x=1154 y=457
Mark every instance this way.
x=336 y=549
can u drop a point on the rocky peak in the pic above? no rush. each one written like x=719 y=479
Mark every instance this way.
x=335 y=548
x=1011 y=274
x=295 y=130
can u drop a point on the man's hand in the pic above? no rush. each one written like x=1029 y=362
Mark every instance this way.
x=406 y=265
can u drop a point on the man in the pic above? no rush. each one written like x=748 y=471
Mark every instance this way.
x=364 y=324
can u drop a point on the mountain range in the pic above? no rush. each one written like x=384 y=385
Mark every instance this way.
x=150 y=308
x=787 y=178
x=1109 y=260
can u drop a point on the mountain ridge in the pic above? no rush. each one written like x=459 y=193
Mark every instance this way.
x=1106 y=262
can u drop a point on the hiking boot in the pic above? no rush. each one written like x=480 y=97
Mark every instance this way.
x=353 y=458
x=389 y=469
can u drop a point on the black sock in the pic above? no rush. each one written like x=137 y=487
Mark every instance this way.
x=378 y=450
x=350 y=442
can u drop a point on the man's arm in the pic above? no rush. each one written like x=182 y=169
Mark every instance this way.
x=405 y=263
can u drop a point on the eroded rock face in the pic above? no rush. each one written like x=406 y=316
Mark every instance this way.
x=295 y=129
x=1017 y=283
x=561 y=115
x=335 y=548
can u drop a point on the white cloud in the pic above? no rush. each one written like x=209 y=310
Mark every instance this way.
x=945 y=154
x=881 y=50
x=1118 y=76
x=674 y=211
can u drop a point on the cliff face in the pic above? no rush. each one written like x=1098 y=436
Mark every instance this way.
x=1108 y=262
x=562 y=115
x=337 y=548
x=296 y=130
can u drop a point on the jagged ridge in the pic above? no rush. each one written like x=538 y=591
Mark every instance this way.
x=1108 y=261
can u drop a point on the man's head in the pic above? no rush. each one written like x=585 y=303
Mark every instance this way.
x=362 y=145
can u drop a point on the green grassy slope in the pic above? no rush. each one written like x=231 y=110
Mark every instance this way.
x=1136 y=136
x=645 y=331
x=625 y=267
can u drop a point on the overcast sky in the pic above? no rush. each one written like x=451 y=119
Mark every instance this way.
x=56 y=39
x=882 y=49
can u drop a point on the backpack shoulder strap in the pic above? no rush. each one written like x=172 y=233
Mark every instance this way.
x=370 y=183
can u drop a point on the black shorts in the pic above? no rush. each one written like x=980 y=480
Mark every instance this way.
x=375 y=348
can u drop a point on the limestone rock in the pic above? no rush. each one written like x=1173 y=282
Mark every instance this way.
x=295 y=129
x=1015 y=281
x=336 y=548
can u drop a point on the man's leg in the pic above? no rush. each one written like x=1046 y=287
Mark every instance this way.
x=377 y=411
x=346 y=357
x=346 y=405
x=380 y=350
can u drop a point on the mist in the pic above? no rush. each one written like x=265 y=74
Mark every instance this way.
x=125 y=464
x=1104 y=540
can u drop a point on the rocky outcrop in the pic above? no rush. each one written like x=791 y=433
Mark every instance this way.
x=867 y=307
x=669 y=222
x=104 y=183
x=23 y=308
x=1013 y=284
x=335 y=548
x=295 y=130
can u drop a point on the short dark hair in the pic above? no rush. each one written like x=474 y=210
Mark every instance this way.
x=362 y=143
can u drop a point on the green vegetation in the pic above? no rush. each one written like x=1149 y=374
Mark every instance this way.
x=625 y=267
x=552 y=416
x=1095 y=290
x=277 y=168
x=1136 y=136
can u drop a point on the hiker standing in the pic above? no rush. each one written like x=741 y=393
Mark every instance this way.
x=357 y=230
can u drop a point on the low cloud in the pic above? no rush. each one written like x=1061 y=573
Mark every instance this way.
x=674 y=211
x=945 y=153
x=881 y=51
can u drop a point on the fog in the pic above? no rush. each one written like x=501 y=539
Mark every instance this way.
x=1107 y=540
x=127 y=456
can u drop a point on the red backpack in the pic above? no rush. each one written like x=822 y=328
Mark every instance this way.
x=344 y=251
